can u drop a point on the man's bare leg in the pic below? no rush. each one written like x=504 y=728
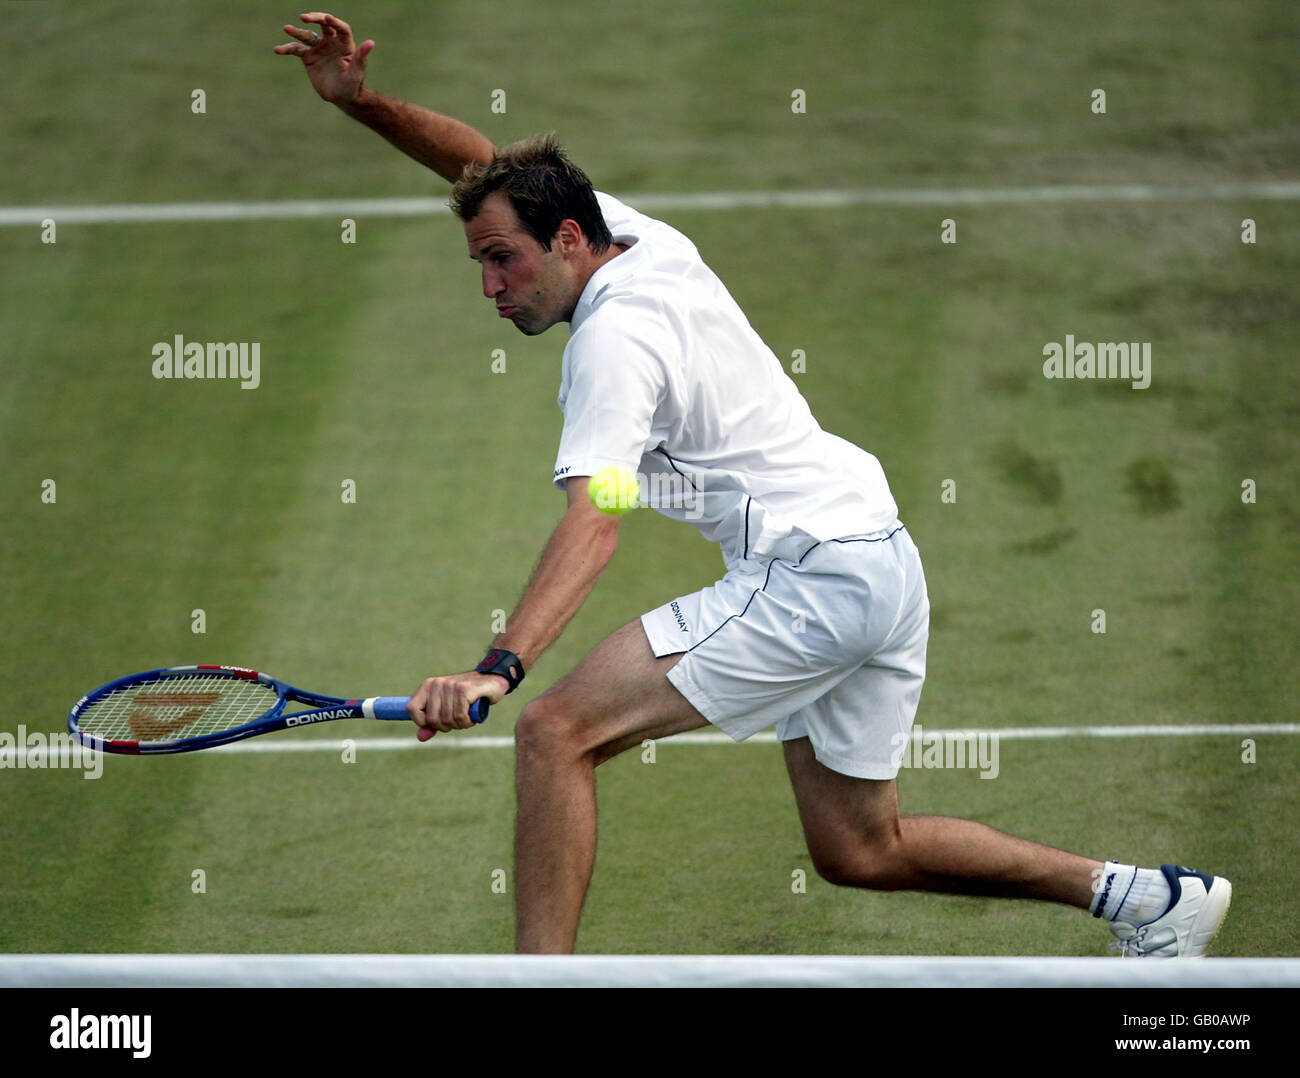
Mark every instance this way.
x=857 y=839
x=614 y=699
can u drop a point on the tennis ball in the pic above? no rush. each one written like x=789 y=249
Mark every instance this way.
x=614 y=491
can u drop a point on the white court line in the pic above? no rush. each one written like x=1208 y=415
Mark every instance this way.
x=487 y=741
x=493 y=741
x=160 y=212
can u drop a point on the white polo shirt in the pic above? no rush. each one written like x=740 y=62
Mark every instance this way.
x=664 y=376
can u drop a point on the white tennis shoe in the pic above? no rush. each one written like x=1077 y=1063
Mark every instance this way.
x=1197 y=906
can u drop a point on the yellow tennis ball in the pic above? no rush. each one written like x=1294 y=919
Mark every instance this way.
x=614 y=491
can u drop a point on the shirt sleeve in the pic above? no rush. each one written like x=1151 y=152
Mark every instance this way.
x=617 y=377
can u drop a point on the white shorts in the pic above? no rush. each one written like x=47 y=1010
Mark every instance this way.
x=825 y=639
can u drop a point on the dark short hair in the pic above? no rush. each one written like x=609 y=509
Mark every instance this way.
x=543 y=186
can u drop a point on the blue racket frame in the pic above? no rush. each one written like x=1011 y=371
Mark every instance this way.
x=323 y=709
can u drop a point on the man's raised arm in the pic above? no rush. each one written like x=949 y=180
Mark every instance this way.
x=337 y=69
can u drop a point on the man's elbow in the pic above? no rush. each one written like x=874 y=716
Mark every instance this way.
x=487 y=153
x=597 y=532
x=606 y=537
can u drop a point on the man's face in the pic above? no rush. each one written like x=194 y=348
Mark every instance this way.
x=531 y=286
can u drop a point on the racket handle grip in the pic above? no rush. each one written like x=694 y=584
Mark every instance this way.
x=394 y=707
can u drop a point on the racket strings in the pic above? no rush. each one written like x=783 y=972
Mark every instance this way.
x=175 y=708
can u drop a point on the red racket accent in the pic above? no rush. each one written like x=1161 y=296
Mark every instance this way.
x=239 y=671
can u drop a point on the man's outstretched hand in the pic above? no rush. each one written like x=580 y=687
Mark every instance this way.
x=335 y=64
x=441 y=704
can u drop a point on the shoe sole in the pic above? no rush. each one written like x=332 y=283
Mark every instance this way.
x=1210 y=919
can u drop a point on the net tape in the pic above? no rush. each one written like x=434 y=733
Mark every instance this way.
x=648 y=971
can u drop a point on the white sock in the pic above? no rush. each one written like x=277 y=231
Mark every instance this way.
x=1147 y=899
x=1131 y=894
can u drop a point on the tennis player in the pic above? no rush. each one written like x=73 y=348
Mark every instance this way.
x=819 y=625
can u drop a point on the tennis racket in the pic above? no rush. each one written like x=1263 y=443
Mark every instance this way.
x=183 y=708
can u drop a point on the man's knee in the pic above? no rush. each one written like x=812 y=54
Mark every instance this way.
x=544 y=726
x=872 y=862
x=555 y=725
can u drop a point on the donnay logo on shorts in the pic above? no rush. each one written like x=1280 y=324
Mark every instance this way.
x=681 y=620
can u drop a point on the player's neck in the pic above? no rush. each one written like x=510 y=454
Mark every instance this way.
x=608 y=255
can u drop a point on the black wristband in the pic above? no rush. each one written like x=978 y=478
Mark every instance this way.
x=505 y=663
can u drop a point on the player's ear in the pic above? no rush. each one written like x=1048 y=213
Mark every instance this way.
x=569 y=236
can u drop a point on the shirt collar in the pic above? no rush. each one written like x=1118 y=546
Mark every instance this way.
x=611 y=272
